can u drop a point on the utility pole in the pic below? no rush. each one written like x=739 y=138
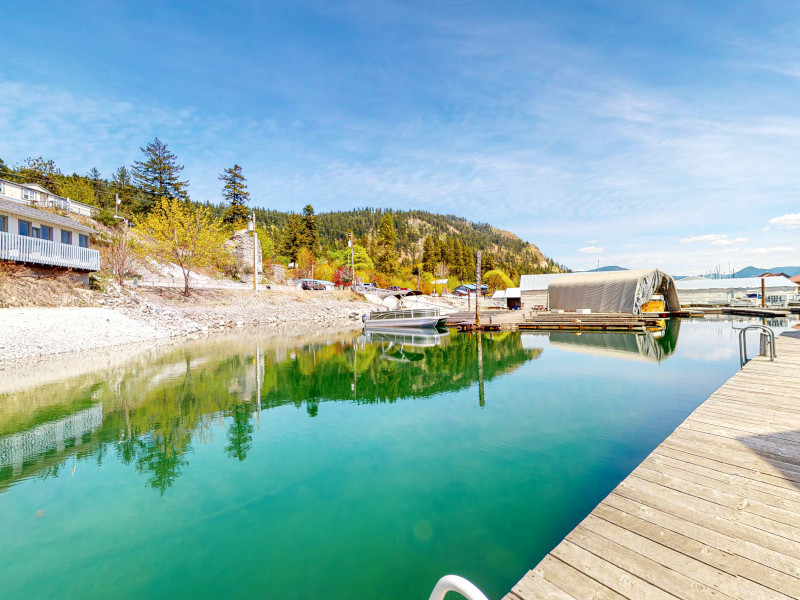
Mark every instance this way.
x=123 y=259
x=352 y=244
x=478 y=291
x=763 y=292
x=255 y=262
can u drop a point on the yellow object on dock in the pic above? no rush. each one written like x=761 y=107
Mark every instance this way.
x=713 y=512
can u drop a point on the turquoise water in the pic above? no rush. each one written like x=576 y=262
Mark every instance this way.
x=334 y=468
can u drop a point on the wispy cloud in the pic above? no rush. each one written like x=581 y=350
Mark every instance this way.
x=787 y=221
x=708 y=237
x=591 y=250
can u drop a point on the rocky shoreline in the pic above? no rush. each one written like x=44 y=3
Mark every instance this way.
x=125 y=316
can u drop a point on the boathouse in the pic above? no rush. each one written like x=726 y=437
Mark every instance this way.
x=612 y=291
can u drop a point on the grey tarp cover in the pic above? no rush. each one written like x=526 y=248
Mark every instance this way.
x=612 y=291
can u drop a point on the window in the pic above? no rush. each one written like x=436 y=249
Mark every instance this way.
x=66 y=237
x=25 y=228
x=30 y=195
x=2 y=189
x=46 y=233
x=3 y=223
x=83 y=240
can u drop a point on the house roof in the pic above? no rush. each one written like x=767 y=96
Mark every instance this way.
x=36 y=186
x=41 y=215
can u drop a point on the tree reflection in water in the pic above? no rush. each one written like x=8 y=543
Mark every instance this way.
x=154 y=411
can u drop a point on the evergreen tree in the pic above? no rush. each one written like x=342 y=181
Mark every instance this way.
x=236 y=195
x=386 y=261
x=41 y=171
x=291 y=241
x=158 y=176
x=309 y=233
x=122 y=186
x=429 y=257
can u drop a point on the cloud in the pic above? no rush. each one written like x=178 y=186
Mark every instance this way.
x=714 y=239
x=729 y=242
x=787 y=221
x=772 y=250
x=709 y=237
x=591 y=250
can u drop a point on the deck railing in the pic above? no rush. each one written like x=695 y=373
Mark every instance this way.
x=26 y=249
x=65 y=204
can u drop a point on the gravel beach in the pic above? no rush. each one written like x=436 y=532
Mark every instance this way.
x=125 y=316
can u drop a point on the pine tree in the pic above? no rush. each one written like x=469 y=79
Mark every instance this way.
x=236 y=195
x=41 y=171
x=99 y=186
x=158 y=176
x=291 y=241
x=429 y=257
x=122 y=186
x=386 y=261
x=309 y=233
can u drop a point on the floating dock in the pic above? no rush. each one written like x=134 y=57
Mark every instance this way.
x=713 y=512
x=550 y=321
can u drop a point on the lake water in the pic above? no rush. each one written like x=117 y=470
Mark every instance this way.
x=338 y=468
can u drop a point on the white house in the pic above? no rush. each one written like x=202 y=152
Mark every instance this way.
x=35 y=236
x=33 y=194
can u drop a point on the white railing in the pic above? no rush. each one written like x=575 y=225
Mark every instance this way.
x=65 y=204
x=26 y=249
x=454 y=583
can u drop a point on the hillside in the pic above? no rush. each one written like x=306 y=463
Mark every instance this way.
x=502 y=249
x=451 y=241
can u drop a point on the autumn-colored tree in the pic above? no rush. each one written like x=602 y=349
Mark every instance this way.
x=305 y=261
x=184 y=234
x=497 y=280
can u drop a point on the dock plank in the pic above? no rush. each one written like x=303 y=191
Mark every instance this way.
x=713 y=512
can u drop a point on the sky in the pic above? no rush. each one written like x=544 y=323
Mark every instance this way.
x=638 y=133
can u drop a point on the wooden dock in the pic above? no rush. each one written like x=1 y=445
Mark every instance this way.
x=713 y=512
x=550 y=321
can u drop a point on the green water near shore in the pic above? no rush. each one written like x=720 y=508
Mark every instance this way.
x=340 y=468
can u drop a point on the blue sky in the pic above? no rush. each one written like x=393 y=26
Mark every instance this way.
x=626 y=132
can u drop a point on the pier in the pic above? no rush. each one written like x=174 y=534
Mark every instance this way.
x=712 y=512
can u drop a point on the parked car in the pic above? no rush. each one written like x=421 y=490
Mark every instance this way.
x=396 y=288
x=316 y=284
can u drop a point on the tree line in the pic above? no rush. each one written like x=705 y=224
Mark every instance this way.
x=408 y=248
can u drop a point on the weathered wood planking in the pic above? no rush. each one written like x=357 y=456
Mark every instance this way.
x=713 y=512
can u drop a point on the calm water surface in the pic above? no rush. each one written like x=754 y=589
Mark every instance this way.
x=347 y=467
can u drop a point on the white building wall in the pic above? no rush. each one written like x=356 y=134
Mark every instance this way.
x=13 y=227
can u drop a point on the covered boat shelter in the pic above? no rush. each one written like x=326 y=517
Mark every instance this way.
x=612 y=291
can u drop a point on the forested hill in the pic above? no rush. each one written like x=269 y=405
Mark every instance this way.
x=449 y=233
x=398 y=241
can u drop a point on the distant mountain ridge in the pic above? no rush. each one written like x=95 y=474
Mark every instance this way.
x=756 y=271
x=606 y=268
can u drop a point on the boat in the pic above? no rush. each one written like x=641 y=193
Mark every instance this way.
x=392 y=318
x=415 y=318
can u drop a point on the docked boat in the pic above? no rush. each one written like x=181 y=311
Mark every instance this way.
x=415 y=318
